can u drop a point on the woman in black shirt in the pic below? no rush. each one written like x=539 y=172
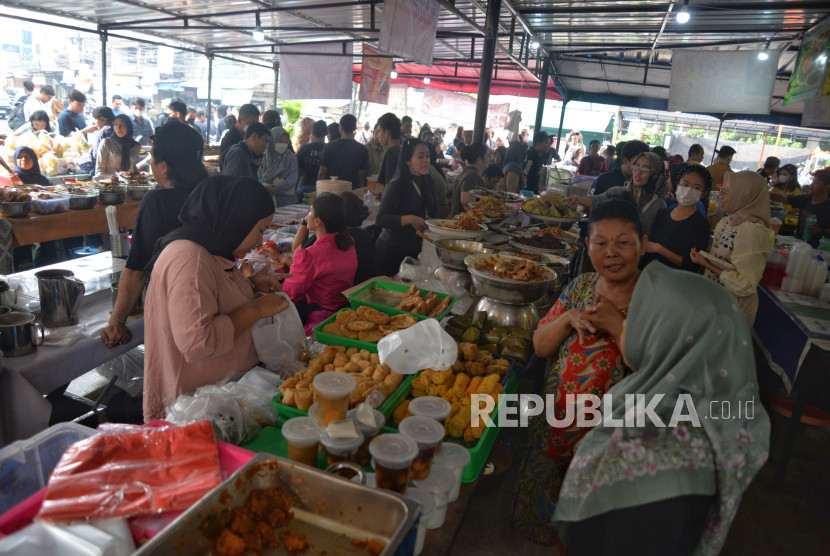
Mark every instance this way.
x=677 y=230
x=407 y=200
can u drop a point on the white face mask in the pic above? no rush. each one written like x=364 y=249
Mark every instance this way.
x=280 y=147
x=138 y=113
x=686 y=196
x=783 y=178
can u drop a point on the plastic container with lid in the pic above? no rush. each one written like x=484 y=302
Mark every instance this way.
x=333 y=391
x=341 y=448
x=438 y=483
x=428 y=433
x=455 y=458
x=302 y=434
x=369 y=432
x=427 y=513
x=430 y=406
x=393 y=454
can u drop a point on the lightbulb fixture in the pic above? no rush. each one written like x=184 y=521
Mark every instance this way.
x=764 y=54
x=259 y=36
x=683 y=15
x=394 y=75
x=535 y=45
x=426 y=80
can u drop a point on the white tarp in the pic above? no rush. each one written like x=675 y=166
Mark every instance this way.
x=307 y=76
x=735 y=81
x=408 y=29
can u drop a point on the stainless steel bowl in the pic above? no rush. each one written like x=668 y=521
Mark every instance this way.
x=452 y=252
x=506 y=290
x=111 y=197
x=504 y=314
x=82 y=202
x=138 y=193
x=15 y=209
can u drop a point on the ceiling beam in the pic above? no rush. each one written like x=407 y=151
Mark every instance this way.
x=629 y=8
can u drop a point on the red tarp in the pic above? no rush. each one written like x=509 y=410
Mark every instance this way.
x=464 y=79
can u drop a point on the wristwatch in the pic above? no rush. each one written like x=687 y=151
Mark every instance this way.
x=303 y=222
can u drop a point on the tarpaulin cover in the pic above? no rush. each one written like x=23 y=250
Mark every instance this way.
x=148 y=472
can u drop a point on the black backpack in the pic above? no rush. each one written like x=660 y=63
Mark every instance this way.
x=17 y=117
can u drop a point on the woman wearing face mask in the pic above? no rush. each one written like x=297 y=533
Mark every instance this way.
x=278 y=170
x=678 y=230
x=786 y=183
x=743 y=238
x=200 y=308
x=120 y=152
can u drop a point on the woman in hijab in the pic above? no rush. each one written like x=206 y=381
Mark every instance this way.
x=27 y=167
x=304 y=136
x=683 y=481
x=103 y=116
x=743 y=239
x=514 y=160
x=279 y=168
x=119 y=152
x=200 y=308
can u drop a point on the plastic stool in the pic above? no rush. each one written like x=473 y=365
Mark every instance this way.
x=84 y=252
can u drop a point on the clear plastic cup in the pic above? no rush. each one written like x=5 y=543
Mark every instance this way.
x=302 y=434
x=340 y=449
x=393 y=454
x=455 y=458
x=438 y=483
x=369 y=432
x=427 y=512
x=333 y=391
x=428 y=433
x=312 y=411
x=430 y=406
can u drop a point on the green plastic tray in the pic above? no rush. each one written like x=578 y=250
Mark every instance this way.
x=334 y=340
x=354 y=298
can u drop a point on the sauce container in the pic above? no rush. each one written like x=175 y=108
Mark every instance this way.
x=302 y=434
x=340 y=448
x=393 y=454
x=333 y=391
x=430 y=406
x=428 y=434
x=369 y=432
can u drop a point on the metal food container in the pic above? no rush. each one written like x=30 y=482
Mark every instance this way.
x=136 y=193
x=15 y=209
x=82 y=202
x=111 y=197
x=506 y=290
x=330 y=512
x=453 y=251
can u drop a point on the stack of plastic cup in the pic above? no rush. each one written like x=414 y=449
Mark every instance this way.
x=302 y=434
x=438 y=484
x=430 y=406
x=369 y=432
x=341 y=449
x=427 y=512
x=392 y=454
x=333 y=391
x=455 y=458
x=428 y=433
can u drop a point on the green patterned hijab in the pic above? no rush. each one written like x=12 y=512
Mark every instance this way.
x=684 y=335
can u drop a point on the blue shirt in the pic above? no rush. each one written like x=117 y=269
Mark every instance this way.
x=69 y=121
x=144 y=128
x=239 y=162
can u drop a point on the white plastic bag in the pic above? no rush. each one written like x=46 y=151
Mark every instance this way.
x=215 y=404
x=423 y=346
x=255 y=402
x=278 y=339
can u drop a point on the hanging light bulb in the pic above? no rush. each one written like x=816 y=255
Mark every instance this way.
x=535 y=45
x=426 y=80
x=394 y=75
x=259 y=36
x=764 y=54
x=683 y=15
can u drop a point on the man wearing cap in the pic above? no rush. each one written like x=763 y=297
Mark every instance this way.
x=364 y=135
x=721 y=165
x=541 y=146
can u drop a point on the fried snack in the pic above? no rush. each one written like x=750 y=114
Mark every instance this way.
x=409 y=303
x=399 y=322
x=469 y=351
x=459 y=422
x=361 y=312
x=440 y=377
x=413 y=290
x=349 y=333
x=460 y=385
x=333 y=328
x=375 y=316
x=472 y=388
x=425 y=377
x=441 y=307
x=467 y=435
x=303 y=399
x=345 y=317
x=360 y=325
x=488 y=385
x=371 y=336
x=400 y=412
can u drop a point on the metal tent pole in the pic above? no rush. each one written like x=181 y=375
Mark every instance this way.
x=717 y=138
x=543 y=93
x=210 y=96
x=561 y=123
x=276 y=83
x=486 y=75
x=103 y=67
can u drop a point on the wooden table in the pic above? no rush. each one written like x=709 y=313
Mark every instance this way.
x=39 y=228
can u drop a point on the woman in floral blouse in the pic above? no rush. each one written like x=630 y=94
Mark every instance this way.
x=682 y=481
x=580 y=335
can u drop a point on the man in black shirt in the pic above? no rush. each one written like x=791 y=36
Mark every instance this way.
x=620 y=176
x=248 y=114
x=389 y=135
x=244 y=158
x=541 y=146
x=178 y=169
x=815 y=203
x=770 y=169
x=309 y=158
x=345 y=158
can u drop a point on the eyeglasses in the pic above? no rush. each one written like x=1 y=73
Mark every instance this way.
x=637 y=168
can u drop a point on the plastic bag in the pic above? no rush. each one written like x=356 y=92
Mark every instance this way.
x=153 y=471
x=371 y=203
x=231 y=422
x=423 y=346
x=256 y=403
x=278 y=339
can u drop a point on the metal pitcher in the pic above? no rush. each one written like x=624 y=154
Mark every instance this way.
x=60 y=297
x=19 y=334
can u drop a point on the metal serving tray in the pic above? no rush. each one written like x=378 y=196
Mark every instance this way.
x=330 y=513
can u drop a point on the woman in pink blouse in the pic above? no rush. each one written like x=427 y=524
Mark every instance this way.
x=200 y=308
x=327 y=267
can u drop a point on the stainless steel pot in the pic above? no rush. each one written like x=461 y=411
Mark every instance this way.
x=111 y=197
x=82 y=202
x=60 y=297
x=138 y=193
x=19 y=334
x=452 y=252
x=504 y=314
x=15 y=209
x=505 y=290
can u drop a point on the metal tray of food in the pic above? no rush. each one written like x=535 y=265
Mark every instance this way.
x=330 y=511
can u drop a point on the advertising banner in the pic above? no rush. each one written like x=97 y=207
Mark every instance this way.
x=408 y=29
x=375 y=76
x=310 y=76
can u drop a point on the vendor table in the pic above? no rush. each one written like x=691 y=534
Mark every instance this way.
x=38 y=228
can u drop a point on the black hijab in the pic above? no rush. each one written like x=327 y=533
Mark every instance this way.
x=220 y=212
x=32 y=176
x=127 y=142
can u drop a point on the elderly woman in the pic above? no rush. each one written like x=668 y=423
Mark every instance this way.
x=279 y=168
x=678 y=230
x=648 y=185
x=743 y=239
x=580 y=334
x=200 y=308
x=103 y=116
x=684 y=480
x=118 y=152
